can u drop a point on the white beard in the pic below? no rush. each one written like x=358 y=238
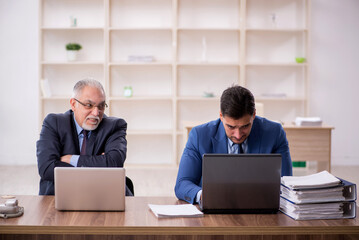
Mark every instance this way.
x=91 y=127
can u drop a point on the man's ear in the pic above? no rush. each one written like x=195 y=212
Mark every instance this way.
x=254 y=114
x=72 y=103
x=220 y=115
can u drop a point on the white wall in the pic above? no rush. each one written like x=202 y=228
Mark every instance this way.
x=334 y=77
x=18 y=76
x=335 y=74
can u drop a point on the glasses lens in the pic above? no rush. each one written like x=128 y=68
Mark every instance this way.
x=101 y=106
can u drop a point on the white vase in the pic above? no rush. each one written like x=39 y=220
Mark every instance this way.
x=72 y=55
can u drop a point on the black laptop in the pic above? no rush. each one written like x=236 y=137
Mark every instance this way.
x=241 y=183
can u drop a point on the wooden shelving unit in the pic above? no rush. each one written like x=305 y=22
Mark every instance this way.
x=198 y=47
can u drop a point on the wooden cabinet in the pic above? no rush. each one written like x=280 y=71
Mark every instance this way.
x=177 y=56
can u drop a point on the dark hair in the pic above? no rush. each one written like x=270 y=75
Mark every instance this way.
x=236 y=102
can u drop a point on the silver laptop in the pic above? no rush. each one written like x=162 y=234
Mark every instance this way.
x=90 y=189
x=241 y=183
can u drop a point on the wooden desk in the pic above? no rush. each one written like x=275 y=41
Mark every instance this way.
x=42 y=221
x=305 y=143
x=310 y=144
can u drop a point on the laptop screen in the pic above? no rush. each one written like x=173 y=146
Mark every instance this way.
x=241 y=183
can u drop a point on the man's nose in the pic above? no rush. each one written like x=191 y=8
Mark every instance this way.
x=236 y=133
x=95 y=111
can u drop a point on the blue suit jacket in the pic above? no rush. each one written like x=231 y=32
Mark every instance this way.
x=265 y=137
x=58 y=137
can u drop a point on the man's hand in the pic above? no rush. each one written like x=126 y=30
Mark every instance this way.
x=66 y=158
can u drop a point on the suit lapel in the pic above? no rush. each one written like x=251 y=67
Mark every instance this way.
x=254 y=138
x=91 y=143
x=75 y=136
x=219 y=141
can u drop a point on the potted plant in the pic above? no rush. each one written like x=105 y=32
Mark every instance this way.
x=72 y=51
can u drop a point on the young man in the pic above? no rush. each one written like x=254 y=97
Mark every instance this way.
x=81 y=137
x=238 y=130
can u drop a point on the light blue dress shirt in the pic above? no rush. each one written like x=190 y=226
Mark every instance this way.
x=75 y=158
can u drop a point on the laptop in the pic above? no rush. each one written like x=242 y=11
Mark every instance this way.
x=90 y=189
x=241 y=183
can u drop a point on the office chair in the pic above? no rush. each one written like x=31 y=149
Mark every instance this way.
x=130 y=186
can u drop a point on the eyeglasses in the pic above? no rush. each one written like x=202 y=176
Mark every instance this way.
x=91 y=106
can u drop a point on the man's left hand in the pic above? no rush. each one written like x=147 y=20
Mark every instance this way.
x=66 y=158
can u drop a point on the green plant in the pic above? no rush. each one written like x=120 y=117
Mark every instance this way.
x=73 y=46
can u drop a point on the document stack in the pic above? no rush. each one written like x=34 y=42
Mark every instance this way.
x=317 y=196
x=308 y=121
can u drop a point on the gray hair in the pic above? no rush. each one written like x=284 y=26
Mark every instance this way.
x=86 y=82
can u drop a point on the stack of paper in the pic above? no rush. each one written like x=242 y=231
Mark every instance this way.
x=317 y=180
x=312 y=211
x=317 y=196
x=308 y=121
x=313 y=196
x=181 y=210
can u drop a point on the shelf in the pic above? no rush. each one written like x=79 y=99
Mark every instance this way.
x=149 y=132
x=139 y=29
x=273 y=30
x=285 y=14
x=212 y=79
x=147 y=114
x=147 y=81
x=207 y=64
x=71 y=63
x=208 y=29
x=71 y=28
x=54 y=42
x=208 y=46
x=208 y=14
x=144 y=98
x=141 y=14
x=123 y=44
x=277 y=47
x=155 y=63
x=280 y=99
x=215 y=99
x=291 y=64
x=196 y=110
x=88 y=13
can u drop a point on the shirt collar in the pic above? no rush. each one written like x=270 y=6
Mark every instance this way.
x=78 y=127
x=231 y=143
x=244 y=144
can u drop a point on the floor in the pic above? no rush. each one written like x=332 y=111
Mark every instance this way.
x=148 y=181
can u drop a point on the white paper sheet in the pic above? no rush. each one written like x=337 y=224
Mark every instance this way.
x=181 y=210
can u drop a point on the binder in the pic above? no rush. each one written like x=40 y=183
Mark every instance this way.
x=346 y=191
x=296 y=212
x=336 y=202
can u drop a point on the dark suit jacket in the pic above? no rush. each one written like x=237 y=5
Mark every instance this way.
x=265 y=137
x=59 y=137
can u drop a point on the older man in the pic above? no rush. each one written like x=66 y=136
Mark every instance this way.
x=81 y=137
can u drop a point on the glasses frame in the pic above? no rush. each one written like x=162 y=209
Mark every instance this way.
x=90 y=106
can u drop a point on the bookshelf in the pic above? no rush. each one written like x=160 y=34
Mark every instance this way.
x=178 y=56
